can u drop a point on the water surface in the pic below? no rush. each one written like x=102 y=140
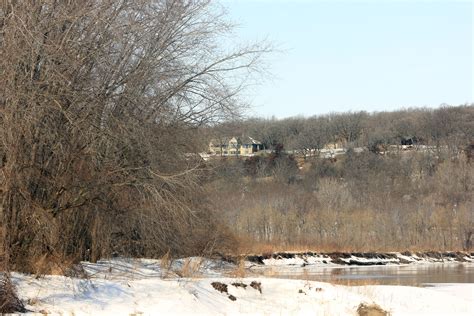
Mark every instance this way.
x=412 y=274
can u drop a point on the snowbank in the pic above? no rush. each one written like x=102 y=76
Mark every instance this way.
x=125 y=287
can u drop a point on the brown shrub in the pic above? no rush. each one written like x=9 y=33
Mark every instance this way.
x=9 y=301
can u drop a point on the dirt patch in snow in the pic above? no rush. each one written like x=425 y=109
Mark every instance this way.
x=221 y=287
x=257 y=285
x=239 y=284
x=371 y=310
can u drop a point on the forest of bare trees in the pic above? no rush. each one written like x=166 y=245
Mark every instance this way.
x=448 y=126
x=376 y=196
x=99 y=103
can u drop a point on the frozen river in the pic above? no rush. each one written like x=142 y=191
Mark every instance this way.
x=411 y=274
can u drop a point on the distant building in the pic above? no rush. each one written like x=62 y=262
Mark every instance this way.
x=335 y=145
x=233 y=146
x=224 y=146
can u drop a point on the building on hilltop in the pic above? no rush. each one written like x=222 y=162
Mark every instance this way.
x=233 y=146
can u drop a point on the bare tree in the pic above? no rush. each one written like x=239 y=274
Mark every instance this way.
x=315 y=135
x=349 y=126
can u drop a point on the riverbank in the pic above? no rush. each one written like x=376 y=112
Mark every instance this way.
x=359 y=258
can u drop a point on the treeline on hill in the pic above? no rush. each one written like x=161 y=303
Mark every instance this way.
x=420 y=199
x=446 y=126
x=100 y=102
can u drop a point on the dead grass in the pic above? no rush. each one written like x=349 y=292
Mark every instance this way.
x=165 y=265
x=239 y=271
x=50 y=265
x=191 y=268
x=249 y=246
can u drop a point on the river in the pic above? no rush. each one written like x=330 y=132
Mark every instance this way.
x=411 y=274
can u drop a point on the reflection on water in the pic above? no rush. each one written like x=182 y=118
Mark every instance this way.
x=414 y=275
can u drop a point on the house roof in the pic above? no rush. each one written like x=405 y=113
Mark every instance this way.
x=241 y=140
x=249 y=140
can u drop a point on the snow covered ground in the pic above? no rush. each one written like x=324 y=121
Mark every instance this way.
x=143 y=287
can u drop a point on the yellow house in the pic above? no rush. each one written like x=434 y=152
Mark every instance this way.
x=335 y=145
x=233 y=146
x=224 y=146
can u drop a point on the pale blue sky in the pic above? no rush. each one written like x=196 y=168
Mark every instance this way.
x=360 y=55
